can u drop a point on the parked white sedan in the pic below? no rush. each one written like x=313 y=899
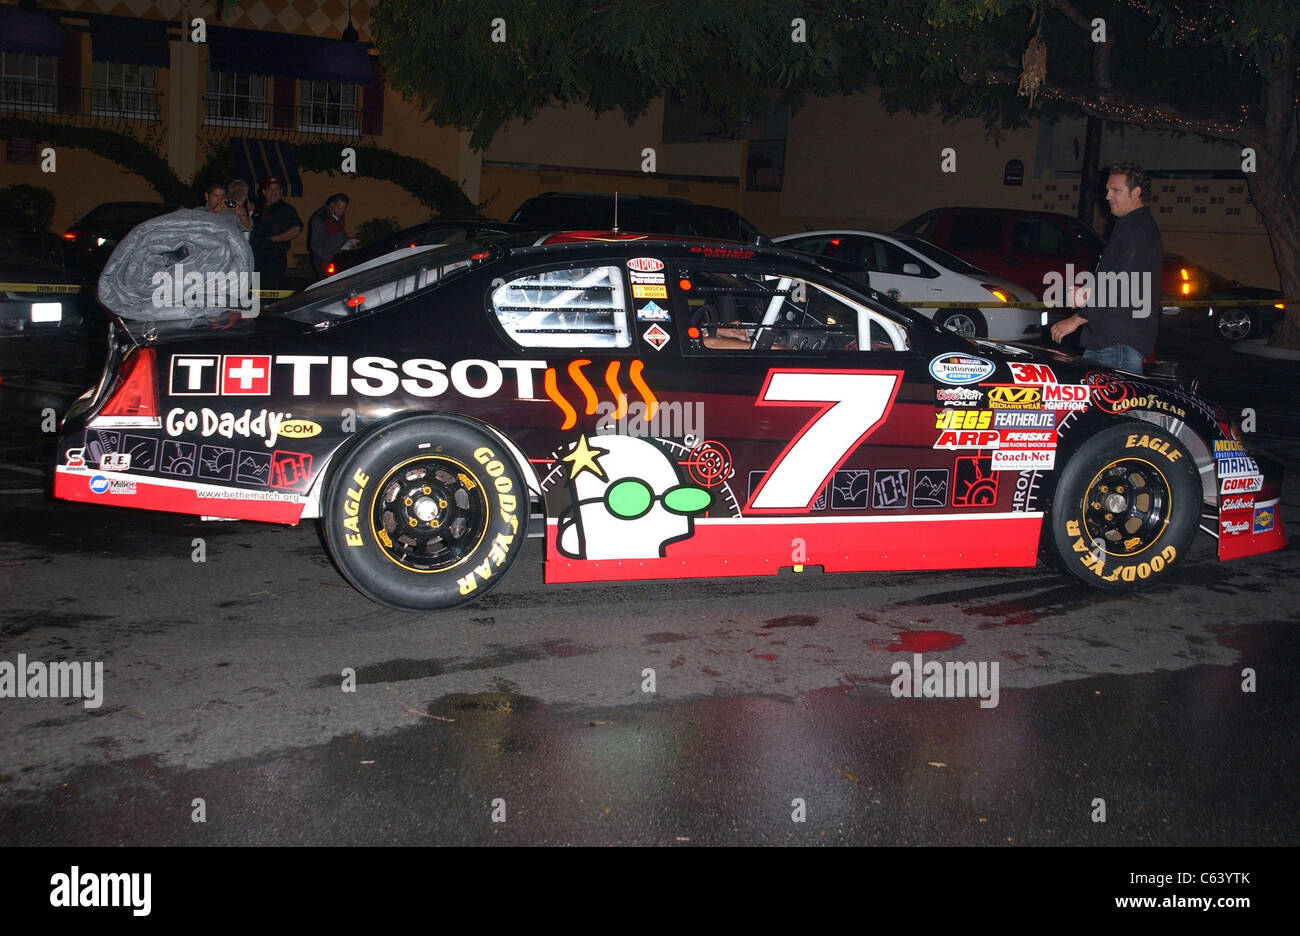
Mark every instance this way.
x=913 y=270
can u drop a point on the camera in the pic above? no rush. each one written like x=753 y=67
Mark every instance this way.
x=229 y=203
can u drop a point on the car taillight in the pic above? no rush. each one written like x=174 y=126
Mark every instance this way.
x=1279 y=305
x=329 y=269
x=70 y=235
x=136 y=395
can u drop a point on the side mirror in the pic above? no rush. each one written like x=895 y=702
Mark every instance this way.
x=911 y=269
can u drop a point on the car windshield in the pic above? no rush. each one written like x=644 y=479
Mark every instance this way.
x=940 y=256
x=114 y=215
x=362 y=293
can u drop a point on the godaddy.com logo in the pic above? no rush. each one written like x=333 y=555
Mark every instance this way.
x=1107 y=289
x=193 y=289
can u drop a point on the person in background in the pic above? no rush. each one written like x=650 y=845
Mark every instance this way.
x=214 y=198
x=237 y=192
x=327 y=234
x=277 y=224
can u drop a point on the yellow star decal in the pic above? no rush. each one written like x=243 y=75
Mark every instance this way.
x=583 y=458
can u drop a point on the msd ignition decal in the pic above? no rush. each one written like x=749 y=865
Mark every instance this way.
x=851 y=405
x=627 y=500
x=958 y=369
x=304 y=375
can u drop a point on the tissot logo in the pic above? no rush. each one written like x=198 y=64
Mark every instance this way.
x=194 y=374
x=250 y=375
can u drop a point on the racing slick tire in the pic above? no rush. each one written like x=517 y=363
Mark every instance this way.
x=1127 y=506
x=427 y=512
x=969 y=323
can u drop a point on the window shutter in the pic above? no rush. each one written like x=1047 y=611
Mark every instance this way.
x=69 y=76
x=282 y=104
x=372 y=108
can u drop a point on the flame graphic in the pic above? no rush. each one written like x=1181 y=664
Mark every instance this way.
x=590 y=398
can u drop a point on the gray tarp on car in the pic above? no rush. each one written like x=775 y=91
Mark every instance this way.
x=145 y=278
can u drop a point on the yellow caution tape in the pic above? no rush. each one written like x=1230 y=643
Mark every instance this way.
x=41 y=287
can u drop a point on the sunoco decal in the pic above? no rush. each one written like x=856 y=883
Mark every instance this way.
x=960 y=369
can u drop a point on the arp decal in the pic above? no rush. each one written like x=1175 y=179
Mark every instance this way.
x=852 y=405
x=890 y=488
x=628 y=500
x=964 y=439
x=975 y=483
x=930 y=487
x=851 y=489
x=590 y=399
x=957 y=369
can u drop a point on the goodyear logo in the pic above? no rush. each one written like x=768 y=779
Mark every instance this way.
x=299 y=429
x=962 y=419
x=1263 y=520
x=1009 y=397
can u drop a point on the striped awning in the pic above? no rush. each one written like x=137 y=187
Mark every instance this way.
x=256 y=160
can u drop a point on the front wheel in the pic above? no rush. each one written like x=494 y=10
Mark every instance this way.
x=969 y=323
x=428 y=512
x=1127 y=506
x=1235 y=324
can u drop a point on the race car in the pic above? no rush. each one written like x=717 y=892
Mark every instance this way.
x=424 y=410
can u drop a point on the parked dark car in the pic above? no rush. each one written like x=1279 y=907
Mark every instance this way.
x=438 y=231
x=422 y=408
x=20 y=234
x=649 y=214
x=34 y=310
x=1229 y=321
x=89 y=243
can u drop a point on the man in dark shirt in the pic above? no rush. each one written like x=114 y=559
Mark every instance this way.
x=276 y=226
x=1119 y=326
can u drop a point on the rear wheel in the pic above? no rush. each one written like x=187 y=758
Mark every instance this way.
x=969 y=323
x=429 y=512
x=1127 y=506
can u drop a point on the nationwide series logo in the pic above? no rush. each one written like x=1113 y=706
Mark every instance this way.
x=1009 y=396
x=959 y=369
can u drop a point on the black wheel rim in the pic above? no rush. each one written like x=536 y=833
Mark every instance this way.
x=429 y=514
x=1126 y=507
x=962 y=324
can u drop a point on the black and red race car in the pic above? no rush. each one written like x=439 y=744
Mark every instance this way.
x=671 y=409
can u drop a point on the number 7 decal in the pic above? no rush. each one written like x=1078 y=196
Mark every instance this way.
x=853 y=404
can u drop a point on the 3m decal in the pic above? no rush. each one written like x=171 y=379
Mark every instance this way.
x=853 y=404
x=1008 y=396
x=890 y=488
x=1023 y=373
x=974 y=482
x=655 y=337
x=248 y=375
x=930 y=487
x=851 y=489
x=959 y=369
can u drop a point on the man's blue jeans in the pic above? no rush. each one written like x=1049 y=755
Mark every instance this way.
x=1119 y=356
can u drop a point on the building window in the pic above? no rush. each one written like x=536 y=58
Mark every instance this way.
x=329 y=107
x=122 y=90
x=27 y=82
x=235 y=100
